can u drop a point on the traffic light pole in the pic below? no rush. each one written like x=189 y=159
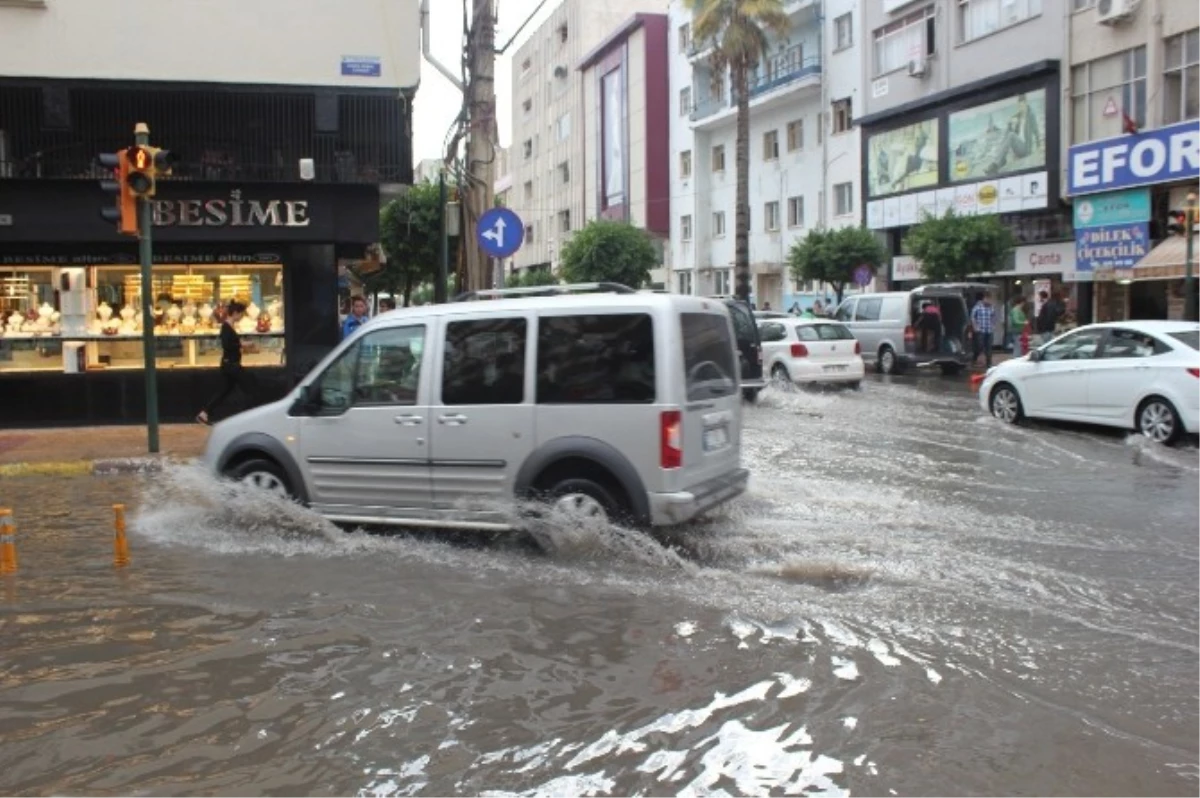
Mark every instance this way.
x=145 y=256
x=1189 y=275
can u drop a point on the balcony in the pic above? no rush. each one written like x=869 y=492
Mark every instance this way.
x=56 y=129
x=783 y=76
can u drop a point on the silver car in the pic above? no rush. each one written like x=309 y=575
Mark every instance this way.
x=621 y=405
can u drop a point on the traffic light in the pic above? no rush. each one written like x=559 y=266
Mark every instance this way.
x=146 y=165
x=123 y=212
x=1177 y=223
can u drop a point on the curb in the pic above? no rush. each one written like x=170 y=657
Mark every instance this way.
x=85 y=468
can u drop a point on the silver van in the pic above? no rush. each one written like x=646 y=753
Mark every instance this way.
x=903 y=329
x=620 y=405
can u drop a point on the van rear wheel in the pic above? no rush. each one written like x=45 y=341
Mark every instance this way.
x=885 y=363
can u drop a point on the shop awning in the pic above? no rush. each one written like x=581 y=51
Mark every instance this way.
x=1167 y=261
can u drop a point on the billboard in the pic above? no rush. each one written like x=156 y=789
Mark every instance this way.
x=1166 y=155
x=903 y=159
x=613 y=137
x=998 y=138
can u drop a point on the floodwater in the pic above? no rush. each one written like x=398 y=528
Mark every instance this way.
x=913 y=599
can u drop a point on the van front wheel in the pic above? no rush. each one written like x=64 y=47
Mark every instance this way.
x=582 y=499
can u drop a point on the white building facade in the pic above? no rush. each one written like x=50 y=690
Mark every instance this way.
x=547 y=122
x=804 y=152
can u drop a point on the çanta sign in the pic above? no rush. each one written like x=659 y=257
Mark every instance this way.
x=1114 y=246
x=1117 y=207
x=1155 y=156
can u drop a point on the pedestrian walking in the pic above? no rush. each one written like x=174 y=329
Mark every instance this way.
x=357 y=318
x=233 y=376
x=1016 y=322
x=983 y=320
x=1047 y=317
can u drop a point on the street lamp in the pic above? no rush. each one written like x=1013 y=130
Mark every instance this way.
x=1189 y=277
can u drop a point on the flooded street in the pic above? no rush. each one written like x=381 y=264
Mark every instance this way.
x=913 y=599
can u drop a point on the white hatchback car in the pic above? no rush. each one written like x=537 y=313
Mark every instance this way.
x=617 y=404
x=1142 y=375
x=810 y=351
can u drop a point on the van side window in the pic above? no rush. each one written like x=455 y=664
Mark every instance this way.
x=845 y=311
x=596 y=359
x=868 y=309
x=484 y=362
x=389 y=366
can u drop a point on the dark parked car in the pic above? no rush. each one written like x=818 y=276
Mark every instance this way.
x=749 y=347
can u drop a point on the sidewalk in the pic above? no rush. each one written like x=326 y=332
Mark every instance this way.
x=95 y=450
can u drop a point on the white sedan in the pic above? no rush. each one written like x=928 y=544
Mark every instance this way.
x=1141 y=375
x=810 y=350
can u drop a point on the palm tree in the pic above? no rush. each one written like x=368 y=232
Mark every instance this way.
x=738 y=30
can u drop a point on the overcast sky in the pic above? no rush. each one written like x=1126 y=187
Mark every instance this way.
x=438 y=101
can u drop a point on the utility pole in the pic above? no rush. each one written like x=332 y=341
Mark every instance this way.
x=1189 y=280
x=478 y=195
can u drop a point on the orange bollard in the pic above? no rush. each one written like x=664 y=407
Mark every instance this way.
x=8 y=542
x=120 y=544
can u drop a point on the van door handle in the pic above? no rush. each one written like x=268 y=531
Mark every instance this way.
x=455 y=420
x=409 y=421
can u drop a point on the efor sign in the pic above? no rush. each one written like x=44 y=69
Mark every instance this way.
x=1156 y=156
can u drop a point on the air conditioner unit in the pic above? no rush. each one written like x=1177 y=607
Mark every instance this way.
x=917 y=68
x=1114 y=12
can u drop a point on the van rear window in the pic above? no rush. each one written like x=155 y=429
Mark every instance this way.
x=709 y=362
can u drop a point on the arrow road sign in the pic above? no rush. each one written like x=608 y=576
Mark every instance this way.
x=500 y=232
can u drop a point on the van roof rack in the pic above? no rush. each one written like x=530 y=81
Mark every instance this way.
x=544 y=290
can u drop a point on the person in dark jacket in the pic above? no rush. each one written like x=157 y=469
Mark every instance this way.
x=232 y=374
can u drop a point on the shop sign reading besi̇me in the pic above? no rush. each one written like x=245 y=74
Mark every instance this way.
x=232 y=212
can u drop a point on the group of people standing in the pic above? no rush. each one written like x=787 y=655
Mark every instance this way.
x=1025 y=328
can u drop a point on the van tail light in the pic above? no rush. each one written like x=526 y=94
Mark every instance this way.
x=857 y=348
x=799 y=350
x=671 y=449
x=910 y=335
x=1194 y=372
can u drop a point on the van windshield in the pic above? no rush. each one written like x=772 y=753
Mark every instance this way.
x=708 y=356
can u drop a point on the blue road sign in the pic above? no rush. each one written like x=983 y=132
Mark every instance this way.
x=500 y=232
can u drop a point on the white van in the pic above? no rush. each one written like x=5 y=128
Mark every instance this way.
x=623 y=405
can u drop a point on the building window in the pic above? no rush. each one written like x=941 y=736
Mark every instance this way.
x=526 y=65
x=795 y=134
x=721 y=282
x=899 y=42
x=527 y=106
x=564 y=171
x=978 y=18
x=1181 y=77
x=843 y=199
x=685 y=40
x=528 y=191
x=841 y=115
x=685 y=283
x=529 y=234
x=562 y=33
x=685 y=228
x=1121 y=78
x=718 y=224
x=685 y=101
x=685 y=164
x=564 y=221
x=771 y=145
x=795 y=211
x=718 y=158
x=843 y=31
x=771 y=216
x=820 y=126
x=527 y=148
x=563 y=126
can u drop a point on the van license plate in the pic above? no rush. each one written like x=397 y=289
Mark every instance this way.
x=715 y=438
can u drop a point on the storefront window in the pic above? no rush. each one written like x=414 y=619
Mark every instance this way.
x=49 y=327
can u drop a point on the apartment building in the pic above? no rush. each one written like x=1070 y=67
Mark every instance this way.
x=961 y=110
x=1131 y=108
x=803 y=153
x=548 y=121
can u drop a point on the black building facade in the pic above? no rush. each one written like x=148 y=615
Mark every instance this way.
x=234 y=220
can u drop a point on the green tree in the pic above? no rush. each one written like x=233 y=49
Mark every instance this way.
x=739 y=32
x=530 y=278
x=832 y=255
x=607 y=251
x=410 y=231
x=952 y=247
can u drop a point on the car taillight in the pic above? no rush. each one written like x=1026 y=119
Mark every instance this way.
x=799 y=350
x=857 y=348
x=1194 y=372
x=909 y=335
x=671 y=449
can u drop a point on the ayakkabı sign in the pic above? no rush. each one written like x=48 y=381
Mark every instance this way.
x=1165 y=155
